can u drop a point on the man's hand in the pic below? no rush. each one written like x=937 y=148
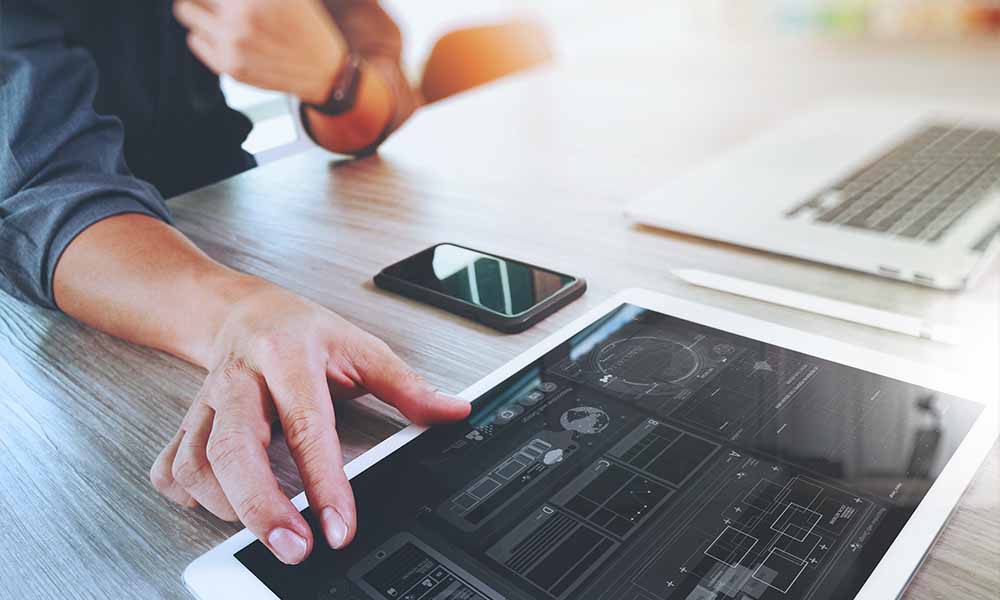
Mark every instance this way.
x=291 y=46
x=279 y=356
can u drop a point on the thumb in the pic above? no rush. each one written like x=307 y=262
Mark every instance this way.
x=375 y=367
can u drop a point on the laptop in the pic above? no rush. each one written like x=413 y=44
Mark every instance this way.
x=905 y=189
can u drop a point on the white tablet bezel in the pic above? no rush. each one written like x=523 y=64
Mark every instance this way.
x=218 y=574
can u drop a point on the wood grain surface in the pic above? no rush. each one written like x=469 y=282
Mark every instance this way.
x=535 y=167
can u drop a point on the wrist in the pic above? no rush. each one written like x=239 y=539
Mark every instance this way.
x=329 y=64
x=363 y=125
x=225 y=291
x=343 y=95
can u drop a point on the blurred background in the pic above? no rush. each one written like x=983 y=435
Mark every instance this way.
x=454 y=31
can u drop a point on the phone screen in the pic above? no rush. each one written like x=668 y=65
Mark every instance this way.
x=500 y=285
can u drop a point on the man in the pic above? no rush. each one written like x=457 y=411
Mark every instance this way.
x=105 y=108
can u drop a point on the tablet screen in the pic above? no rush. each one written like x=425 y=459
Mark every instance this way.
x=647 y=457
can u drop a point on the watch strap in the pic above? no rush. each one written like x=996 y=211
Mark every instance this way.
x=344 y=92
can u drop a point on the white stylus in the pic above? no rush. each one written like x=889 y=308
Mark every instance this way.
x=845 y=311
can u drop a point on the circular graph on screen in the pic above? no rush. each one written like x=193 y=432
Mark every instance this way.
x=653 y=364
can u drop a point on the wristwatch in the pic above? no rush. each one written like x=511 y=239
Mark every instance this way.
x=345 y=88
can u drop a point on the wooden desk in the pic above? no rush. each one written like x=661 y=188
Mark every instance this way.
x=536 y=167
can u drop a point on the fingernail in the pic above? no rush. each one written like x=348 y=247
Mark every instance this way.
x=289 y=547
x=458 y=403
x=448 y=398
x=334 y=527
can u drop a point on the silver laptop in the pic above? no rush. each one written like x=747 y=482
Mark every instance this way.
x=903 y=189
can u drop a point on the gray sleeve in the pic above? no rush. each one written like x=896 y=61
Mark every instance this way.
x=62 y=166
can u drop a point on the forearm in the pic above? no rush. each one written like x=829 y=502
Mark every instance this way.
x=140 y=279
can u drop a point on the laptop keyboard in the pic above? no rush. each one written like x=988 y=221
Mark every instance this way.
x=917 y=190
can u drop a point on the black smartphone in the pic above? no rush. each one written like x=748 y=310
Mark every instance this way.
x=504 y=294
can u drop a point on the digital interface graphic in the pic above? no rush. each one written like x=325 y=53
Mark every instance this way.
x=646 y=458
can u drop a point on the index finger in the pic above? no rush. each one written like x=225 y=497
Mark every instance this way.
x=236 y=451
x=376 y=368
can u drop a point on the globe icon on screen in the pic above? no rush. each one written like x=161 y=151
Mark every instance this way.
x=585 y=419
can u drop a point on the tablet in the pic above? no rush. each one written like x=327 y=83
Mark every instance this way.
x=654 y=449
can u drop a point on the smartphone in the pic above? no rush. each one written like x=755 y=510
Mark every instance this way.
x=504 y=294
